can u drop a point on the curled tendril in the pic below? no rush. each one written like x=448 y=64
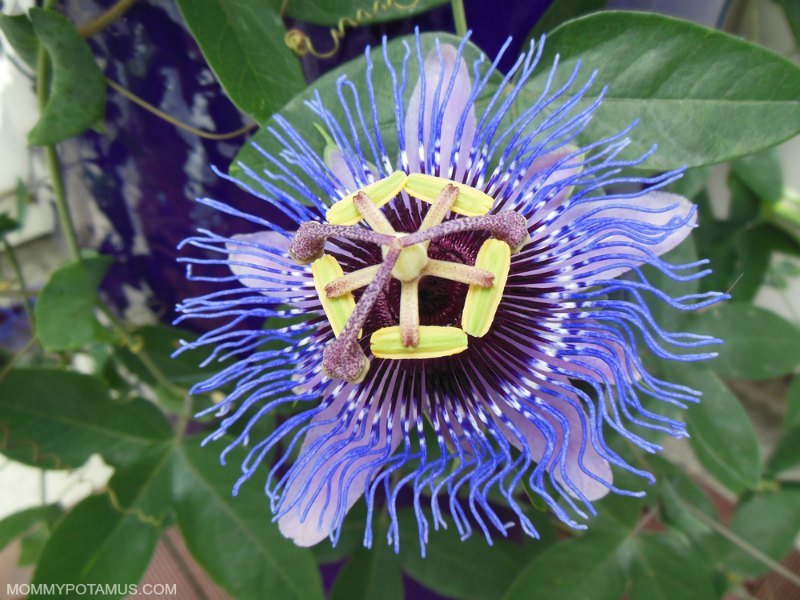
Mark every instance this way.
x=301 y=44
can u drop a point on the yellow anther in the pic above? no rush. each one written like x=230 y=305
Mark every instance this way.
x=481 y=303
x=344 y=212
x=434 y=342
x=470 y=202
x=338 y=310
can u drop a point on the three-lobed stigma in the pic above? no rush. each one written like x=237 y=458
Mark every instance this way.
x=406 y=259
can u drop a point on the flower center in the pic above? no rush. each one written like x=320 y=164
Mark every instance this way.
x=409 y=259
x=411 y=262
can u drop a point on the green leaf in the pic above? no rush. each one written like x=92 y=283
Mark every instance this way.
x=58 y=419
x=370 y=573
x=717 y=242
x=666 y=316
x=562 y=11
x=305 y=121
x=685 y=83
x=786 y=454
x=159 y=342
x=739 y=255
x=7 y=224
x=664 y=569
x=468 y=570
x=330 y=12
x=722 y=434
x=580 y=568
x=759 y=344
x=769 y=522
x=143 y=488
x=110 y=538
x=744 y=202
x=13 y=526
x=19 y=33
x=78 y=92
x=97 y=544
x=792 y=10
x=692 y=183
x=242 y=40
x=792 y=418
x=65 y=317
x=762 y=173
x=233 y=538
x=350 y=539
x=31 y=546
x=677 y=491
x=23 y=196
x=754 y=248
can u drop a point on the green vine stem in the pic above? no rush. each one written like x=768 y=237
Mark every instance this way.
x=26 y=302
x=718 y=527
x=459 y=16
x=173 y=121
x=135 y=346
x=53 y=165
x=9 y=366
x=107 y=18
x=740 y=543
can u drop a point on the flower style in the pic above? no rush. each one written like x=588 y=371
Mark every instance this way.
x=448 y=316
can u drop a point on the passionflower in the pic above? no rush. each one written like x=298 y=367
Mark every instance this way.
x=448 y=319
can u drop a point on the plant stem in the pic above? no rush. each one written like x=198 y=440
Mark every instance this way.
x=173 y=121
x=64 y=216
x=459 y=17
x=152 y=367
x=135 y=347
x=106 y=19
x=17 y=293
x=184 y=416
x=727 y=533
x=740 y=543
x=13 y=362
x=26 y=303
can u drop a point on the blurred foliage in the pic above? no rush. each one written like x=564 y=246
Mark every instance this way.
x=689 y=85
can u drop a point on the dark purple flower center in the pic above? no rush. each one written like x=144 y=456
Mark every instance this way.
x=441 y=301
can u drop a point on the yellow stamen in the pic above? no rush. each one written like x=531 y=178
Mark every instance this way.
x=458 y=272
x=352 y=281
x=434 y=342
x=344 y=212
x=372 y=214
x=439 y=209
x=470 y=202
x=409 y=313
x=481 y=303
x=326 y=270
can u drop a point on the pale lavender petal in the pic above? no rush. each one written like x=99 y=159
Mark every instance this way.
x=658 y=209
x=309 y=475
x=261 y=261
x=455 y=106
x=576 y=428
x=336 y=162
x=536 y=171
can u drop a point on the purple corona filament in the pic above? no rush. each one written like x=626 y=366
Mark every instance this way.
x=457 y=307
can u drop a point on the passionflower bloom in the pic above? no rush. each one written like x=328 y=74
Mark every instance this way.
x=447 y=316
